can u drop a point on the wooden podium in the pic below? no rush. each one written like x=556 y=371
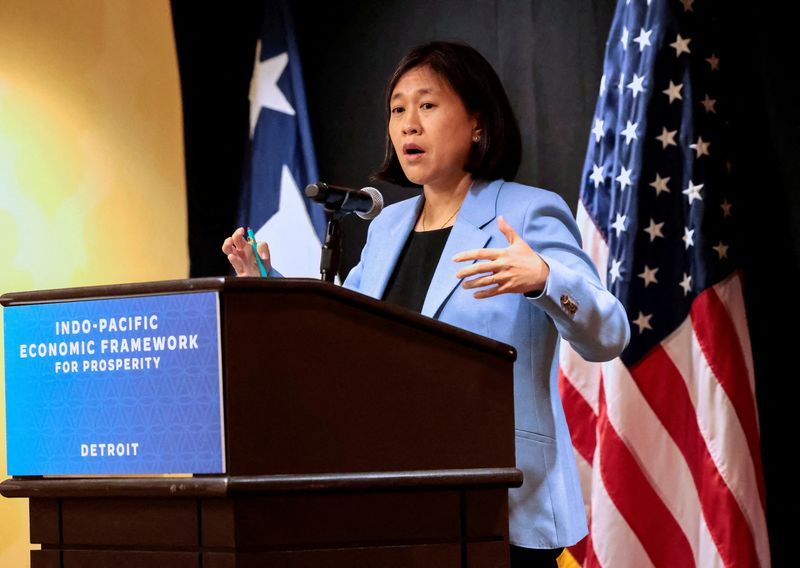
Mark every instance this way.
x=356 y=434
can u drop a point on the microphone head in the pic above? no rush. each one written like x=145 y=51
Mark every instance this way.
x=377 y=204
x=315 y=191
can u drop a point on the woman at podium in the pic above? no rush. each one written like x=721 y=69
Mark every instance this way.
x=483 y=253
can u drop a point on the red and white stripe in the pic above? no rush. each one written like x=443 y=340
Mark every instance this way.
x=668 y=450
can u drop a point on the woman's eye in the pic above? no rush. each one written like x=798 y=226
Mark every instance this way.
x=427 y=106
x=397 y=110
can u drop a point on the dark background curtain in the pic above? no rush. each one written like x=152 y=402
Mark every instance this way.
x=549 y=54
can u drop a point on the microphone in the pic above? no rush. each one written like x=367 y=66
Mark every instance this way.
x=367 y=202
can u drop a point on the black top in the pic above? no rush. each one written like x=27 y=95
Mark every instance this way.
x=413 y=273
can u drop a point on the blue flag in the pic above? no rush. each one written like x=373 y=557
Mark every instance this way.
x=281 y=159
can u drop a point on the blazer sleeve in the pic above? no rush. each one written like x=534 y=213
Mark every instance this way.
x=586 y=315
x=353 y=280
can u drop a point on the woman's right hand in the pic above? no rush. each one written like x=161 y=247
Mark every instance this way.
x=241 y=256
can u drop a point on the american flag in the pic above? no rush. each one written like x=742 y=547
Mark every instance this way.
x=667 y=436
x=281 y=161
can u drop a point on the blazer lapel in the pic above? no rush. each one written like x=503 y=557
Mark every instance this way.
x=388 y=246
x=478 y=209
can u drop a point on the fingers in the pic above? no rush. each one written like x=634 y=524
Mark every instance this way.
x=491 y=253
x=236 y=240
x=487 y=292
x=506 y=229
x=240 y=254
x=227 y=246
x=263 y=251
x=491 y=284
x=488 y=280
x=237 y=264
x=478 y=254
x=515 y=269
x=479 y=268
x=239 y=239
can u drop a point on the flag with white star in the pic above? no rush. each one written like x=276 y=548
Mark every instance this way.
x=281 y=160
x=667 y=435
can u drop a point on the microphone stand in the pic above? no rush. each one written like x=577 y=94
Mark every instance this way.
x=333 y=200
x=332 y=249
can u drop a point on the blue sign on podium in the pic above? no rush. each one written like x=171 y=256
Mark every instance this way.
x=114 y=386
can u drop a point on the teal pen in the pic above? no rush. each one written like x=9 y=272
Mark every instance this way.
x=251 y=238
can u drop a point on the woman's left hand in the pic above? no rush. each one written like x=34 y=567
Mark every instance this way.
x=514 y=269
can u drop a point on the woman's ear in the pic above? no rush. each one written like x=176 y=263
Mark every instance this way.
x=477 y=132
x=476 y=125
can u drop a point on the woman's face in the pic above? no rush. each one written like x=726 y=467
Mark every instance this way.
x=430 y=129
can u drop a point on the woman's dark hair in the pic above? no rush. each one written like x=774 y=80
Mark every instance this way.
x=498 y=153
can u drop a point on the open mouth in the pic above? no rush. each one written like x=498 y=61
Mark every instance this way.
x=412 y=150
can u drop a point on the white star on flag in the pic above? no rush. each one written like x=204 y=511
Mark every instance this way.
x=643 y=39
x=636 y=85
x=726 y=208
x=709 y=103
x=714 y=62
x=619 y=224
x=643 y=321
x=701 y=147
x=722 y=250
x=649 y=276
x=614 y=271
x=686 y=284
x=624 y=178
x=654 y=230
x=598 y=129
x=630 y=132
x=624 y=38
x=667 y=137
x=693 y=191
x=688 y=237
x=660 y=184
x=293 y=242
x=673 y=91
x=264 y=91
x=597 y=175
x=681 y=45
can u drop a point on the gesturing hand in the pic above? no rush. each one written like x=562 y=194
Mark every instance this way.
x=240 y=254
x=514 y=269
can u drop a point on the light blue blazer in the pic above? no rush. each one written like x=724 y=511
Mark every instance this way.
x=547 y=511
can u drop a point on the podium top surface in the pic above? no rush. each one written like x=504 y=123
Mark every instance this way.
x=259 y=286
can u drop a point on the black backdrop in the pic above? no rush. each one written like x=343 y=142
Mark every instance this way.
x=549 y=55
